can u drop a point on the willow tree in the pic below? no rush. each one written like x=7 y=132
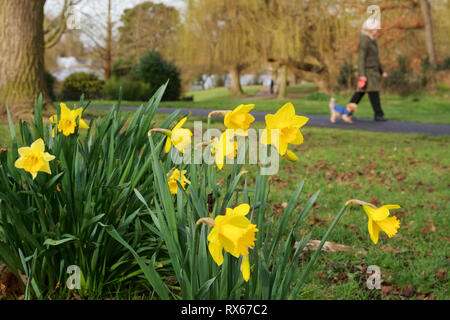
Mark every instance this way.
x=300 y=36
x=281 y=34
x=23 y=40
x=218 y=37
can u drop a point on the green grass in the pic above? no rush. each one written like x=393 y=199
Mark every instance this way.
x=409 y=170
x=425 y=108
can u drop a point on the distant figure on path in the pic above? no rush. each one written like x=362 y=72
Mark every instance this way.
x=271 y=86
x=369 y=69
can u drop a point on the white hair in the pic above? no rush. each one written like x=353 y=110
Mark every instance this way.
x=371 y=24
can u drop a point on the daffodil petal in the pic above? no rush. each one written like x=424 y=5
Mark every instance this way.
x=38 y=145
x=23 y=151
x=180 y=124
x=216 y=251
x=168 y=145
x=245 y=268
x=374 y=231
x=241 y=210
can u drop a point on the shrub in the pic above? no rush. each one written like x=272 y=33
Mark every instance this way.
x=122 y=68
x=318 y=96
x=154 y=70
x=131 y=90
x=49 y=84
x=347 y=79
x=81 y=83
x=403 y=81
x=445 y=65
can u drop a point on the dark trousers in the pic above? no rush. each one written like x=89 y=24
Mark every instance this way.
x=374 y=97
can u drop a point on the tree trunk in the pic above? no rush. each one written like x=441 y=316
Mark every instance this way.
x=235 y=85
x=22 y=55
x=108 y=47
x=425 y=4
x=282 y=91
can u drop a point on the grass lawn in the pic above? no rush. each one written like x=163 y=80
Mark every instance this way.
x=418 y=108
x=409 y=170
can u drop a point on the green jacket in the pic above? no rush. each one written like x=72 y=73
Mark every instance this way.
x=369 y=63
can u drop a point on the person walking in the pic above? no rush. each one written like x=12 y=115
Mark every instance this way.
x=370 y=69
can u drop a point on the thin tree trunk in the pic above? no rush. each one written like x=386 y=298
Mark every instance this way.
x=235 y=86
x=425 y=4
x=108 y=48
x=22 y=55
x=282 y=91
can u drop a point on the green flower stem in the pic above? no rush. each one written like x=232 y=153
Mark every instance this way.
x=316 y=254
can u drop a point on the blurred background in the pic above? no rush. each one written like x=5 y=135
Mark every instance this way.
x=63 y=48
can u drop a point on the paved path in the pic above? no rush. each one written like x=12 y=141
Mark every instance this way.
x=324 y=121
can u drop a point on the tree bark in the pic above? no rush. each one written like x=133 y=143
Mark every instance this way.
x=22 y=55
x=108 y=47
x=282 y=91
x=235 y=85
x=425 y=4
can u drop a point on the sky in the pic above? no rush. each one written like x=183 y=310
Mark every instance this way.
x=54 y=6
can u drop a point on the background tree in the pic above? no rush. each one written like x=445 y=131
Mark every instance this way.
x=100 y=28
x=23 y=40
x=147 y=26
x=218 y=37
x=426 y=11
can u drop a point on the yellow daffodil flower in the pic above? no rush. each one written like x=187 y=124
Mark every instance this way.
x=179 y=137
x=287 y=124
x=223 y=147
x=34 y=158
x=379 y=220
x=67 y=122
x=239 y=119
x=177 y=176
x=232 y=232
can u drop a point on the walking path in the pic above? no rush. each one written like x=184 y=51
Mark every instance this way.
x=324 y=122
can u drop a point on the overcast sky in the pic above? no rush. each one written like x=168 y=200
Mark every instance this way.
x=54 y=6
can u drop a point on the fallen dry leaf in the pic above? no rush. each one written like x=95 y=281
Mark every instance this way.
x=408 y=292
x=390 y=249
x=9 y=285
x=441 y=274
x=387 y=289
